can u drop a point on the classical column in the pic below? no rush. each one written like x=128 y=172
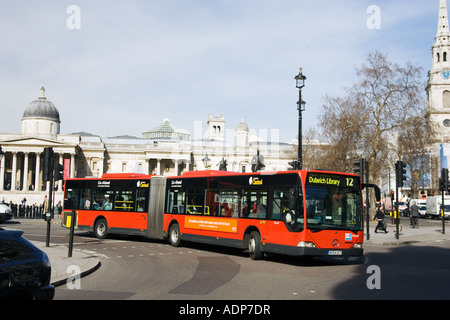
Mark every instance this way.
x=14 y=171
x=158 y=167
x=61 y=162
x=87 y=167
x=147 y=166
x=25 y=172
x=72 y=165
x=37 y=176
x=2 y=173
x=176 y=166
x=101 y=166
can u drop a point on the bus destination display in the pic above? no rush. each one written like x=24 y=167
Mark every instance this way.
x=332 y=180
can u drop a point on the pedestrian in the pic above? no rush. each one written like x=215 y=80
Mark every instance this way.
x=45 y=204
x=380 y=217
x=415 y=215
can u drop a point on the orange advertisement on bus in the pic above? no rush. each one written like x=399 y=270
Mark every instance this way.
x=211 y=224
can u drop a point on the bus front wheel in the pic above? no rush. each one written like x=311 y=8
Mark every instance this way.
x=254 y=246
x=101 y=229
x=174 y=235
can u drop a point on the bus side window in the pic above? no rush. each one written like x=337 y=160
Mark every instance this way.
x=103 y=200
x=176 y=202
x=72 y=195
x=124 y=200
x=255 y=204
x=85 y=199
x=230 y=203
x=141 y=200
x=195 y=198
x=212 y=202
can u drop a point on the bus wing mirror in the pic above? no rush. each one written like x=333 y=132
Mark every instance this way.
x=293 y=199
x=376 y=189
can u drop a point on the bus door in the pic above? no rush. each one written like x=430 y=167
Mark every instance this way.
x=287 y=219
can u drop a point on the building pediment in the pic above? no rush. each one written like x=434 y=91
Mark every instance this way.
x=34 y=142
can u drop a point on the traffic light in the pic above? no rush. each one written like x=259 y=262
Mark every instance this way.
x=48 y=164
x=443 y=181
x=58 y=172
x=359 y=167
x=294 y=165
x=400 y=173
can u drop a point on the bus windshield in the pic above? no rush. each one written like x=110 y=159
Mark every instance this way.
x=337 y=207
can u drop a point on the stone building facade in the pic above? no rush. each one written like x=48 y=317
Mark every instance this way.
x=163 y=150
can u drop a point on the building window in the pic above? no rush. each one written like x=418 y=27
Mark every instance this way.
x=446 y=99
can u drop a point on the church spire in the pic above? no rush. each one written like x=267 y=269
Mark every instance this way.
x=443 y=32
x=441 y=47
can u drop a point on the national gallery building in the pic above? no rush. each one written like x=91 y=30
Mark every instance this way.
x=164 y=150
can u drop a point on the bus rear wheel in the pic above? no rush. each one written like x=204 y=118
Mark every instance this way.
x=174 y=235
x=101 y=229
x=254 y=246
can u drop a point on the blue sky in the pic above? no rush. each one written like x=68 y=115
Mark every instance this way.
x=132 y=63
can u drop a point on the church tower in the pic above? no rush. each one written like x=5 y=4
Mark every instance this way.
x=216 y=127
x=438 y=89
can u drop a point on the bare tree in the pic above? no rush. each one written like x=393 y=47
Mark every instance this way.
x=368 y=121
x=413 y=140
x=365 y=122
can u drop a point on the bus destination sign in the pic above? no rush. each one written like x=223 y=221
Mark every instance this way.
x=332 y=180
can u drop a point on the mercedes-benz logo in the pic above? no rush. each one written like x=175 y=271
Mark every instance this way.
x=335 y=243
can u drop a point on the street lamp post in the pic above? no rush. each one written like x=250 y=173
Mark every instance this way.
x=300 y=83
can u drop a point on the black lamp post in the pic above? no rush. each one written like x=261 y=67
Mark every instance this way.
x=300 y=83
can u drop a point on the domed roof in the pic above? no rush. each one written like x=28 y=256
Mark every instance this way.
x=41 y=109
x=242 y=126
x=166 y=131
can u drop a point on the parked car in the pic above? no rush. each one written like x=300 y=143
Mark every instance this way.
x=24 y=269
x=5 y=212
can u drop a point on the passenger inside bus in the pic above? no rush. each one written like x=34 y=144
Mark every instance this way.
x=227 y=211
x=107 y=205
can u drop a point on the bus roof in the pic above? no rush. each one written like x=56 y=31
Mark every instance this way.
x=203 y=173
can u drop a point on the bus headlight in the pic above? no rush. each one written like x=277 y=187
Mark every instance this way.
x=358 y=246
x=306 y=244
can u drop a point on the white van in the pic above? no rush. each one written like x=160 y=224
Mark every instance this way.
x=422 y=204
x=434 y=206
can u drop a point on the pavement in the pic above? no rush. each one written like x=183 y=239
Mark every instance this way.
x=407 y=234
x=83 y=263
x=64 y=268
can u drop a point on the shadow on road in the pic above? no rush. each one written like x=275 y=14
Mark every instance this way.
x=405 y=272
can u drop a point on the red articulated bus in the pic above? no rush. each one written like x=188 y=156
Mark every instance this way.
x=299 y=213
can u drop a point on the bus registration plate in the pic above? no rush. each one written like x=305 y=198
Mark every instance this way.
x=335 y=252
